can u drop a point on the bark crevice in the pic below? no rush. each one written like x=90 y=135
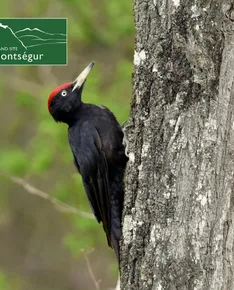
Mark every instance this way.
x=178 y=216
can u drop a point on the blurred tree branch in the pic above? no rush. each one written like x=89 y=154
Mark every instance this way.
x=46 y=76
x=21 y=84
x=92 y=275
x=59 y=205
x=90 y=270
x=117 y=287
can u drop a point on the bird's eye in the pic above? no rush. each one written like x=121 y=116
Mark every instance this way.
x=64 y=93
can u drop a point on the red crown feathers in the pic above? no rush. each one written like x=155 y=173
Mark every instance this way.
x=56 y=91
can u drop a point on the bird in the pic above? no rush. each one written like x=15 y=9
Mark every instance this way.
x=97 y=143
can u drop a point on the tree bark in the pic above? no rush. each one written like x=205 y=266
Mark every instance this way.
x=178 y=230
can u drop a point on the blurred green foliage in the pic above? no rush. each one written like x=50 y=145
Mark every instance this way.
x=4 y=284
x=33 y=146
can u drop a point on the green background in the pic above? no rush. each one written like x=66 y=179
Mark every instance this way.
x=41 y=248
x=52 y=53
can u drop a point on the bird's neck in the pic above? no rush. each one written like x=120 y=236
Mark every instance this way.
x=76 y=115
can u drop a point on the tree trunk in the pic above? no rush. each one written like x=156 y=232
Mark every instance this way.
x=178 y=230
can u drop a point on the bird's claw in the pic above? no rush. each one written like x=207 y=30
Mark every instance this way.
x=125 y=141
x=122 y=125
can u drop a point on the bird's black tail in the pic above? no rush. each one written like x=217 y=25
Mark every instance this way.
x=117 y=196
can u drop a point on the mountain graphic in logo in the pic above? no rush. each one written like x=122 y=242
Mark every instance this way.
x=28 y=37
x=33 y=41
x=8 y=38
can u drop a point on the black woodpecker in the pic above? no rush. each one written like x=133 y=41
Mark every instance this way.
x=96 y=141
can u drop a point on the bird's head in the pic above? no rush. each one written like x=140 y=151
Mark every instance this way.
x=64 y=101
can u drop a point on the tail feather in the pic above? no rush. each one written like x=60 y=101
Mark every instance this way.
x=115 y=235
x=117 y=196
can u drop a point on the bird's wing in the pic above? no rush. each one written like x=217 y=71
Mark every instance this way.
x=92 y=165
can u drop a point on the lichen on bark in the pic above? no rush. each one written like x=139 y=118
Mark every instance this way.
x=178 y=214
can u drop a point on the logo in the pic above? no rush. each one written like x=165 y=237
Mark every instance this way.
x=33 y=41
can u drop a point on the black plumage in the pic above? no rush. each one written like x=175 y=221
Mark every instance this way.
x=96 y=141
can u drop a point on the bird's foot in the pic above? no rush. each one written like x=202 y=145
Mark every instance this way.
x=123 y=125
x=125 y=140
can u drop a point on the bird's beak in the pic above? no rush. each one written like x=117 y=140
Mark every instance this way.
x=78 y=82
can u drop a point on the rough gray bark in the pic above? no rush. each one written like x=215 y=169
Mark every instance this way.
x=178 y=227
